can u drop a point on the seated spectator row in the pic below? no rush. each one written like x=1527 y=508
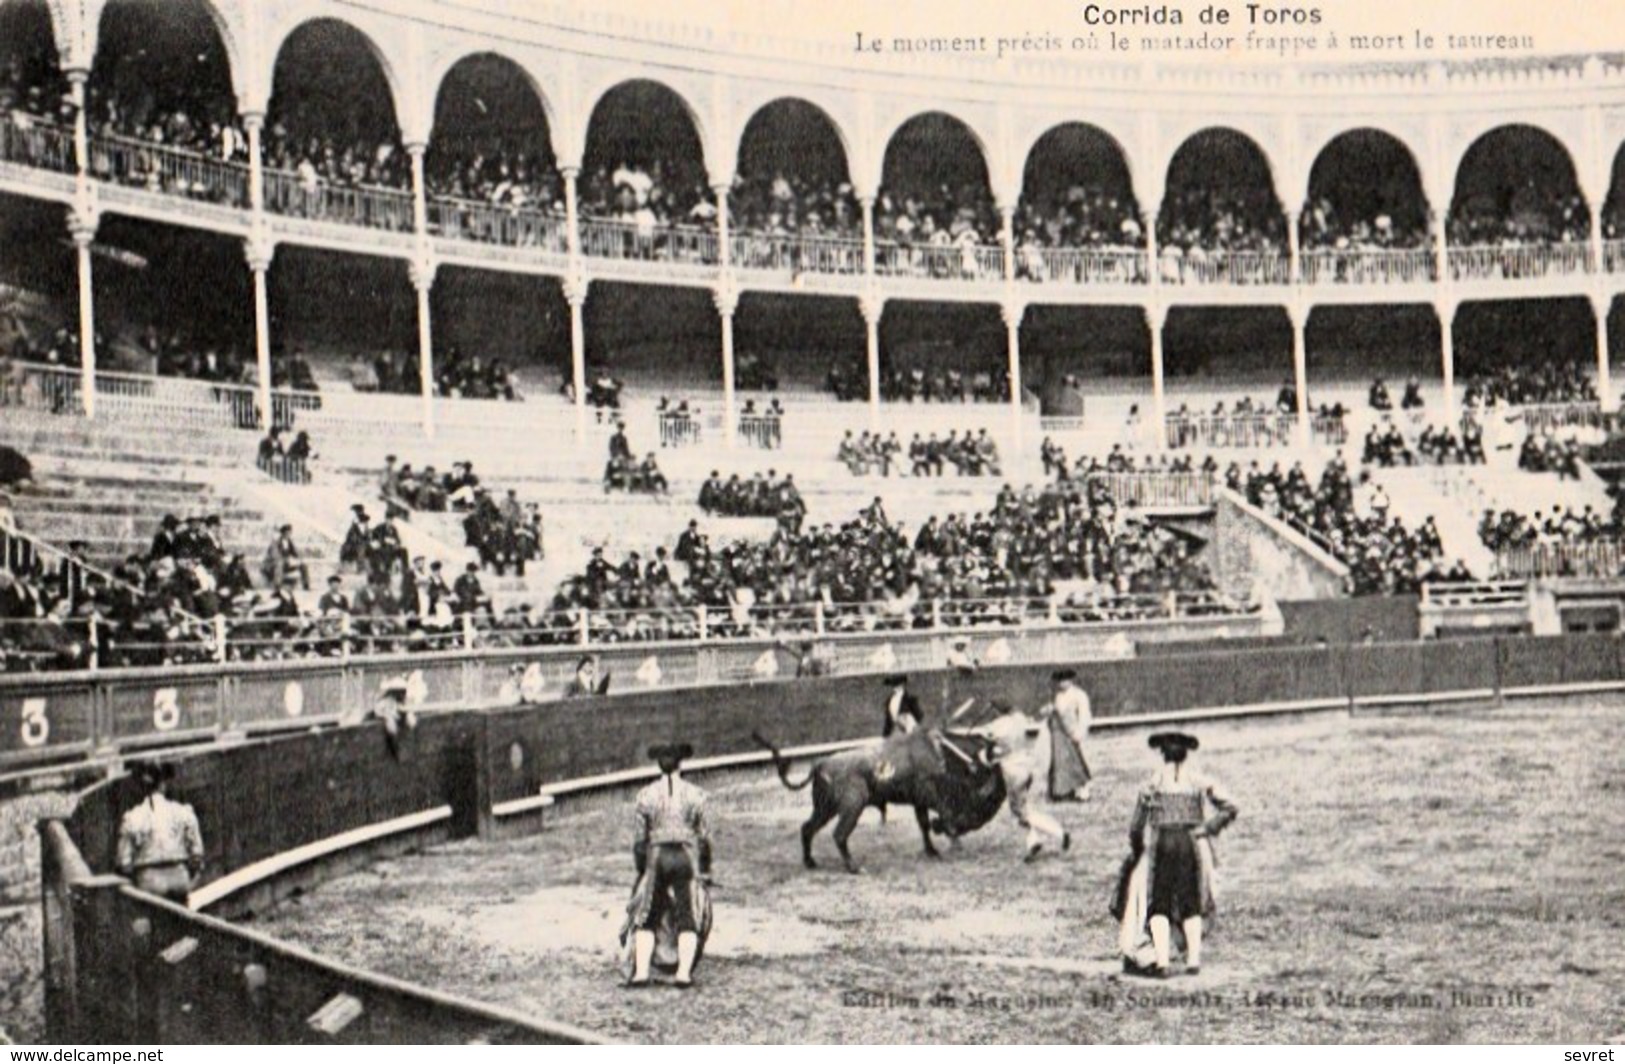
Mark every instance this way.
x=760 y=495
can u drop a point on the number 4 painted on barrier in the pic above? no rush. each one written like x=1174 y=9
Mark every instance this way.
x=36 y=725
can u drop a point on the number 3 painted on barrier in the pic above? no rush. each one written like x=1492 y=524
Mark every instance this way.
x=166 y=710
x=36 y=725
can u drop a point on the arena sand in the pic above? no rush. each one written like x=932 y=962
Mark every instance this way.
x=1411 y=877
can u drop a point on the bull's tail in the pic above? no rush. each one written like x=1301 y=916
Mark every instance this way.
x=782 y=764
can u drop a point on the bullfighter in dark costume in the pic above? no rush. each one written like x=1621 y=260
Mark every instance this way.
x=1168 y=881
x=669 y=916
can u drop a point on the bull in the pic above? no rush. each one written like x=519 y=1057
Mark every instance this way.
x=944 y=776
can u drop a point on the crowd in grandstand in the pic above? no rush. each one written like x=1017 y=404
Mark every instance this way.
x=870 y=573
x=1383 y=556
x=1508 y=529
x=760 y=495
x=506 y=533
x=155 y=606
x=926 y=456
x=1534 y=215
x=1545 y=382
x=789 y=205
x=1386 y=445
x=848 y=380
x=1199 y=230
x=1324 y=227
x=1542 y=452
x=497 y=178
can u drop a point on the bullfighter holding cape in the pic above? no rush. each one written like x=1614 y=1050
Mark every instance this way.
x=669 y=916
x=1068 y=715
x=1167 y=882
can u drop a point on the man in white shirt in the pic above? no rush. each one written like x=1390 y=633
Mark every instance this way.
x=159 y=845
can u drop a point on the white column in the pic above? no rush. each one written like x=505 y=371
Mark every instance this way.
x=258 y=251
x=724 y=248
x=868 y=204
x=1007 y=237
x=420 y=200
x=1012 y=312
x=575 y=294
x=253 y=123
x=1601 y=304
x=81 y=128
x=1156 y=316
x=873 y=306
x=1441 y=248
x=423 y=271
x=1596 y=265
x=1446 y=309
x=572 y=220
x=726 y=299
x=1300 y=366
x=82 y=229
x=82 y=222
x=1293 y=251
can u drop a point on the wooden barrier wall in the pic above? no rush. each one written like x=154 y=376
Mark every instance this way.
x=263 y=799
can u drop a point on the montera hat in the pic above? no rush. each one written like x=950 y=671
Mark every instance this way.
x=1173 y=740
x=671 y=751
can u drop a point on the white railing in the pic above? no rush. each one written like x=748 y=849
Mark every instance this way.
x=368 y=206
x=1599 y=560
x=1081 y=265
x=952 y=262
x=1251 y=430
x=1546 y=417
x=1516 y=262
x=1477 y=594
x=1201 y=266
x=1155 y=489
x=485 y=223
x=716 y=624
x=1369 y=266
x=168 y=170
x=38 y=144
x=788 y=253
x=629 y=241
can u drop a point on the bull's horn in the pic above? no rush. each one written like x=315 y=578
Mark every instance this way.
x=960 y=712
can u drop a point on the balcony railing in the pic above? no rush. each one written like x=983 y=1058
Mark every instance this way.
x=37 y=144
x=1369 y=266
x=1598 y=561
x=1199 y=266
x=788 y=253
x=1519 y=262
x=630 y=241
x=1156 y=490
x=953 y=262
x=1081 y=265
x=1251 y=430
x=1547 y=417
x=485 y=223
x=1476 y=595
x=320 y=200
x=1613 y=256
x=168 y=170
